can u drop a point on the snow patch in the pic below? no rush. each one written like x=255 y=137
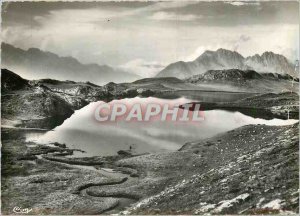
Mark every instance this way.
x=205 y=208
x=229 y=203
x=274 y=204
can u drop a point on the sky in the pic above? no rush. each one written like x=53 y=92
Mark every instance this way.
x=144 y=37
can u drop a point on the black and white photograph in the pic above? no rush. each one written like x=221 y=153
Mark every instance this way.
x=150 y=107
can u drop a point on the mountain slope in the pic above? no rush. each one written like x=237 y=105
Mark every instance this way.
x=237 y=75
x=250 y=170
x=223 y=59
x=37 y=64
x=246 y=80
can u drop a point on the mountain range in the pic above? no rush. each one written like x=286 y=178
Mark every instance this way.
x=223 y=59
x=37 y=64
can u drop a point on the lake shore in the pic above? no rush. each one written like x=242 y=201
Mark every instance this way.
x=156 y=183
x=267 y=106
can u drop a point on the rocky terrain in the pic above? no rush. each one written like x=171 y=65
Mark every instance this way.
x=30 y=102
x=236 y=75
x=48 y=102
x=223 y=59
x=46 y=186
x=250 y=170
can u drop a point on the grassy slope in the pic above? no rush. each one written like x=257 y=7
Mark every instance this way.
x=259 y=163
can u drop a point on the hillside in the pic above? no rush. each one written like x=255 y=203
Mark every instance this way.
x=250 y=170
x=11 y=81
x=248 y=80
x=43 y=102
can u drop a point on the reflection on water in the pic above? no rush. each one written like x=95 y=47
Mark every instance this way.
x=81 y=131
x=46 y=123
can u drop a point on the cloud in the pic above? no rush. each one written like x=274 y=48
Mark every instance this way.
x=77 y=16
x=139 y=44
x=174 y=16
x=96 y=14
x=242 y=3
x=168 y=5
x=242 y=39
x=253 y=41
x=142 y=68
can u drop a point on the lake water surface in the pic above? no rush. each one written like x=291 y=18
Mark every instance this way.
x=82 y=131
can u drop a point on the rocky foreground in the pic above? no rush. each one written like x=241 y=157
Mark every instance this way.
x=250 y=170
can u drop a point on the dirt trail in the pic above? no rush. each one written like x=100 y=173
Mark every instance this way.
x=117 y=178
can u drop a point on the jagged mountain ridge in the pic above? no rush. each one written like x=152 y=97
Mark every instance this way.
x=223 y=59
x=271 y=62
x=41 y=64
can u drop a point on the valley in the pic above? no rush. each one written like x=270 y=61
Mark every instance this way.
x=239 y=160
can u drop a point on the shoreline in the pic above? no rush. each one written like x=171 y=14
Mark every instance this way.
x=140 y=186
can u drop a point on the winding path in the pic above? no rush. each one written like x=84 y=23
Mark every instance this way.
x=123 y=200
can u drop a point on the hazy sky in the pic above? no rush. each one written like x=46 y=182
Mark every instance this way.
x=145 y=36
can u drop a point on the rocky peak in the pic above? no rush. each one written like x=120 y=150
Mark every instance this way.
x=221 y=53
x=270 y=62
x=223 y=59
x=229 y=52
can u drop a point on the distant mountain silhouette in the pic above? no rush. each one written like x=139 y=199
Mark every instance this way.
x=223 y=59
x=37 y=64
